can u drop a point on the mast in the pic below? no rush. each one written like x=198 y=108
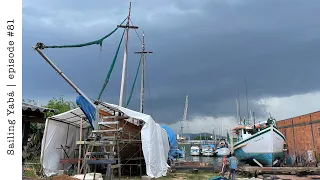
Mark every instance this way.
x=124 y=66
x=37 y=48
x=245 y=81
x=143 y=52
x=184 y=118
x=238 y=108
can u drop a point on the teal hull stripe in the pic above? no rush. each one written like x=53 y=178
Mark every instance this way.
x=266 y=159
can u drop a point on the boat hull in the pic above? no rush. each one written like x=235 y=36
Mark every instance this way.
x=223 y=152
x=207 y=154
x=195 y=151
x=265 y=146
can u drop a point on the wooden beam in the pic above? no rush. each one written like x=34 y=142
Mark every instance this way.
x=130 y=27
x=33 y=119
x=144 y=52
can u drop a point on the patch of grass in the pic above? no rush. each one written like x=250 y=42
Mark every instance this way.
x=29 y=173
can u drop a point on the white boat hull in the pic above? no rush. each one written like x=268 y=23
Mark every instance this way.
x=195 y=151
x=207 y=154
x=223 y=152
x=265 y=146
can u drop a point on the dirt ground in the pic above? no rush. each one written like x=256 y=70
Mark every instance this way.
x=181 y=176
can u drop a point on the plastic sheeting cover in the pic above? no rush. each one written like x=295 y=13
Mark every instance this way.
x=55 y=135
x=155 y=144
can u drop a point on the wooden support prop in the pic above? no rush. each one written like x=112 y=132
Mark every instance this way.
x=275 y=162
x=80 y=146
x=257 y=162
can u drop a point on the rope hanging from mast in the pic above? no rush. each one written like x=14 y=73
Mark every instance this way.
x=111 y=67
x=99 y=41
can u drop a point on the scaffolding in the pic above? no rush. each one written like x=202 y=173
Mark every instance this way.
x=118 y=139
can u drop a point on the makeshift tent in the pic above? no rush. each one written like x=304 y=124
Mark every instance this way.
x=63 y=129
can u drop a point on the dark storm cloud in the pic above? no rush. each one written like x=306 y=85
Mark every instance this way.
x=204 y=49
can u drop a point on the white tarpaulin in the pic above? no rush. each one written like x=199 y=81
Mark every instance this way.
x=63 y=130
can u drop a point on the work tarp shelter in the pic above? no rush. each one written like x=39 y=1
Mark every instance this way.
x=63 y=129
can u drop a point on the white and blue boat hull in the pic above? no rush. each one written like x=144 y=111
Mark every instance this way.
x=265 y=146
x=222 y=152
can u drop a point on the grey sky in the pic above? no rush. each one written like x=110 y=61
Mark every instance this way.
x=201 y=48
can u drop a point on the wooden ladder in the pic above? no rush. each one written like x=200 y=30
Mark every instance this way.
x=103 y=147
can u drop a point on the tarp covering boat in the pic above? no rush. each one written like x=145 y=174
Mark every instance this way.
x=174 y=151
x=88 y=109
x=63 y=129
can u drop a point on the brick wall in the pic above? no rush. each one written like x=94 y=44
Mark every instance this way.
x=302 y=133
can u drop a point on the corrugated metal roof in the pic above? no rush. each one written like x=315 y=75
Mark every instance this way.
x=30 y=107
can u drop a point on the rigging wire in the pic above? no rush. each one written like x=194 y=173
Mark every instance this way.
x=148 y=84
x=111 y=68
x=136 y=31
x=134 y=82
x=99 y=41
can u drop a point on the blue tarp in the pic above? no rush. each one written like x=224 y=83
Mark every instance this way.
x=87 y=108
x=174 y=151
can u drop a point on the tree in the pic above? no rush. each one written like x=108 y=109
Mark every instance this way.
x=202 y=138
x=59 y=104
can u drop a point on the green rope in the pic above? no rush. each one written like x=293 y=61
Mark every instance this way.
x=134 y=82
x=99 y=41
x=111 y=67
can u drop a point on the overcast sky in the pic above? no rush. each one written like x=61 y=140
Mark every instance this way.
x=202 y=48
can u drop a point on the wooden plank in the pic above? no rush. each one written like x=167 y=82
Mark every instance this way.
x=279 y=170
x=108 y=122
x=115 y=117
x=125 y=26
x=116 y=166
x=96 y=143
x=107 y=130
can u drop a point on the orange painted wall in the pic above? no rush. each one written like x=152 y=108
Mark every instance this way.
x=302 y=133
